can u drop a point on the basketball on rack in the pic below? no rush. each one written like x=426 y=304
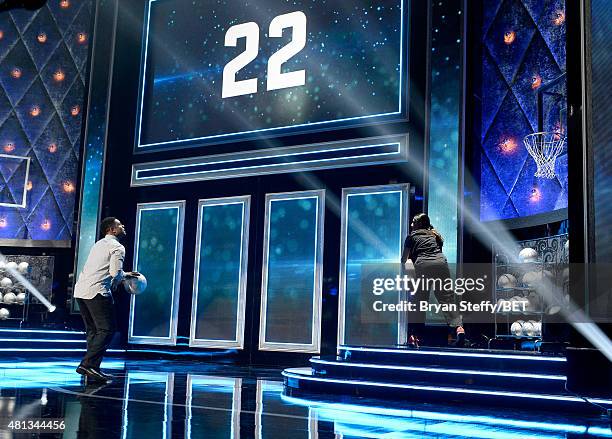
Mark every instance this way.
x=4 y=314
x=10 y=298
x=529 y=328
x=517 y=328
x=528 y=255
x=23 y=267
x=507 y=281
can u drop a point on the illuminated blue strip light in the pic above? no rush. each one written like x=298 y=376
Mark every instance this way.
x=444 y=417
x=330 y=155
x=440 y=370
x=53 y=350
x=454 y=354
x=39 y=340
x=252 y=133
x=42 y=331
x=305 y=374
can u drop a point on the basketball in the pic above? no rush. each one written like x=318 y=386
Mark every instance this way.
x=135 y=284
x=23 y=267
x=506 y=281
x=517 y=328
x=528 y=255
x=538 y=328
x=6 y=282
x=12 y=265
x=10 y=298
x=529 y=328
x=4 y=314
x=21 y=298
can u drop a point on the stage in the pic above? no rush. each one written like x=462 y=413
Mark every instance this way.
x=184 y=399
x=305 y=219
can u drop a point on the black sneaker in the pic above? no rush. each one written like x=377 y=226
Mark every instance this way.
x=108 y=376
x=81 y=370
x=93 y=374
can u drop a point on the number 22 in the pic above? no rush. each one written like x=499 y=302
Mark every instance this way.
x=276 y=78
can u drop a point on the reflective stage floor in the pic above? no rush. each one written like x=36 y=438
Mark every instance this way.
x=163 y=399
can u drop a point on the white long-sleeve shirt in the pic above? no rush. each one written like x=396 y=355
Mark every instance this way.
x=103 y=269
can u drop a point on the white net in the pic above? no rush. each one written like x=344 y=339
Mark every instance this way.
x=545 y=147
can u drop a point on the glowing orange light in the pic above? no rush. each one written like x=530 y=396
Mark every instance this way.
x=59 y=76
x=81 y=37
x=3 y=223
x=9 y=147
x=1 y=34
x=42 y=38
x=16 y=73
x=509 y=37
x=46 y=225
x=29 y=186
x=68 y=187
x=35 y=111
x=52 y=148
x=536 y=195
x=508 y=145
x=64 y=4
x=536 y=81
x=559 y=18
x=75 y=110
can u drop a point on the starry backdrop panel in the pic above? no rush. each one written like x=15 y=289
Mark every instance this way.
x=523 y=48
x=352 y=60
x=43 y=63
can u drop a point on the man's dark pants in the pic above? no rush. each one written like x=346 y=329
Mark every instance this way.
x=99 y=318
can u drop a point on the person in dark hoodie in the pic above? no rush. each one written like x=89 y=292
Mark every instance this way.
x=423 y=246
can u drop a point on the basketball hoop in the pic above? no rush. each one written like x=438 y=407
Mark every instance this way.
x=545 y=147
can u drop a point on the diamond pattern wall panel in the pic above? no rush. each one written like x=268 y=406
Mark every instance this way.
x=43 y=63
x=523 y=46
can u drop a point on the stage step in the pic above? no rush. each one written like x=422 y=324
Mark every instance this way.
x=503 y=361
x=334 y=367
x=40 y=334
x=304 y=381
x=40 y=342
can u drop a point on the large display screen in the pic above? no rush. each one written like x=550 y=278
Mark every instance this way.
x=213 y=69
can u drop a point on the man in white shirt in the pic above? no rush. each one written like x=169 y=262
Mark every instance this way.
x=102 y=273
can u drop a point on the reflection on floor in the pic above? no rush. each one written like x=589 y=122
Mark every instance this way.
x=177 y=399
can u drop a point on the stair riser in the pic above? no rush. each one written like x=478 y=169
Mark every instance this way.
x=42 y=345
x=301 y=387
x=40 y=336
x=474 y=381
x=457 y=362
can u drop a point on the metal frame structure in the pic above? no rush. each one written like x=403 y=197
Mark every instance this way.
x=172 y=336
x=404 y=189
x=238 y=341
x=315 y=344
